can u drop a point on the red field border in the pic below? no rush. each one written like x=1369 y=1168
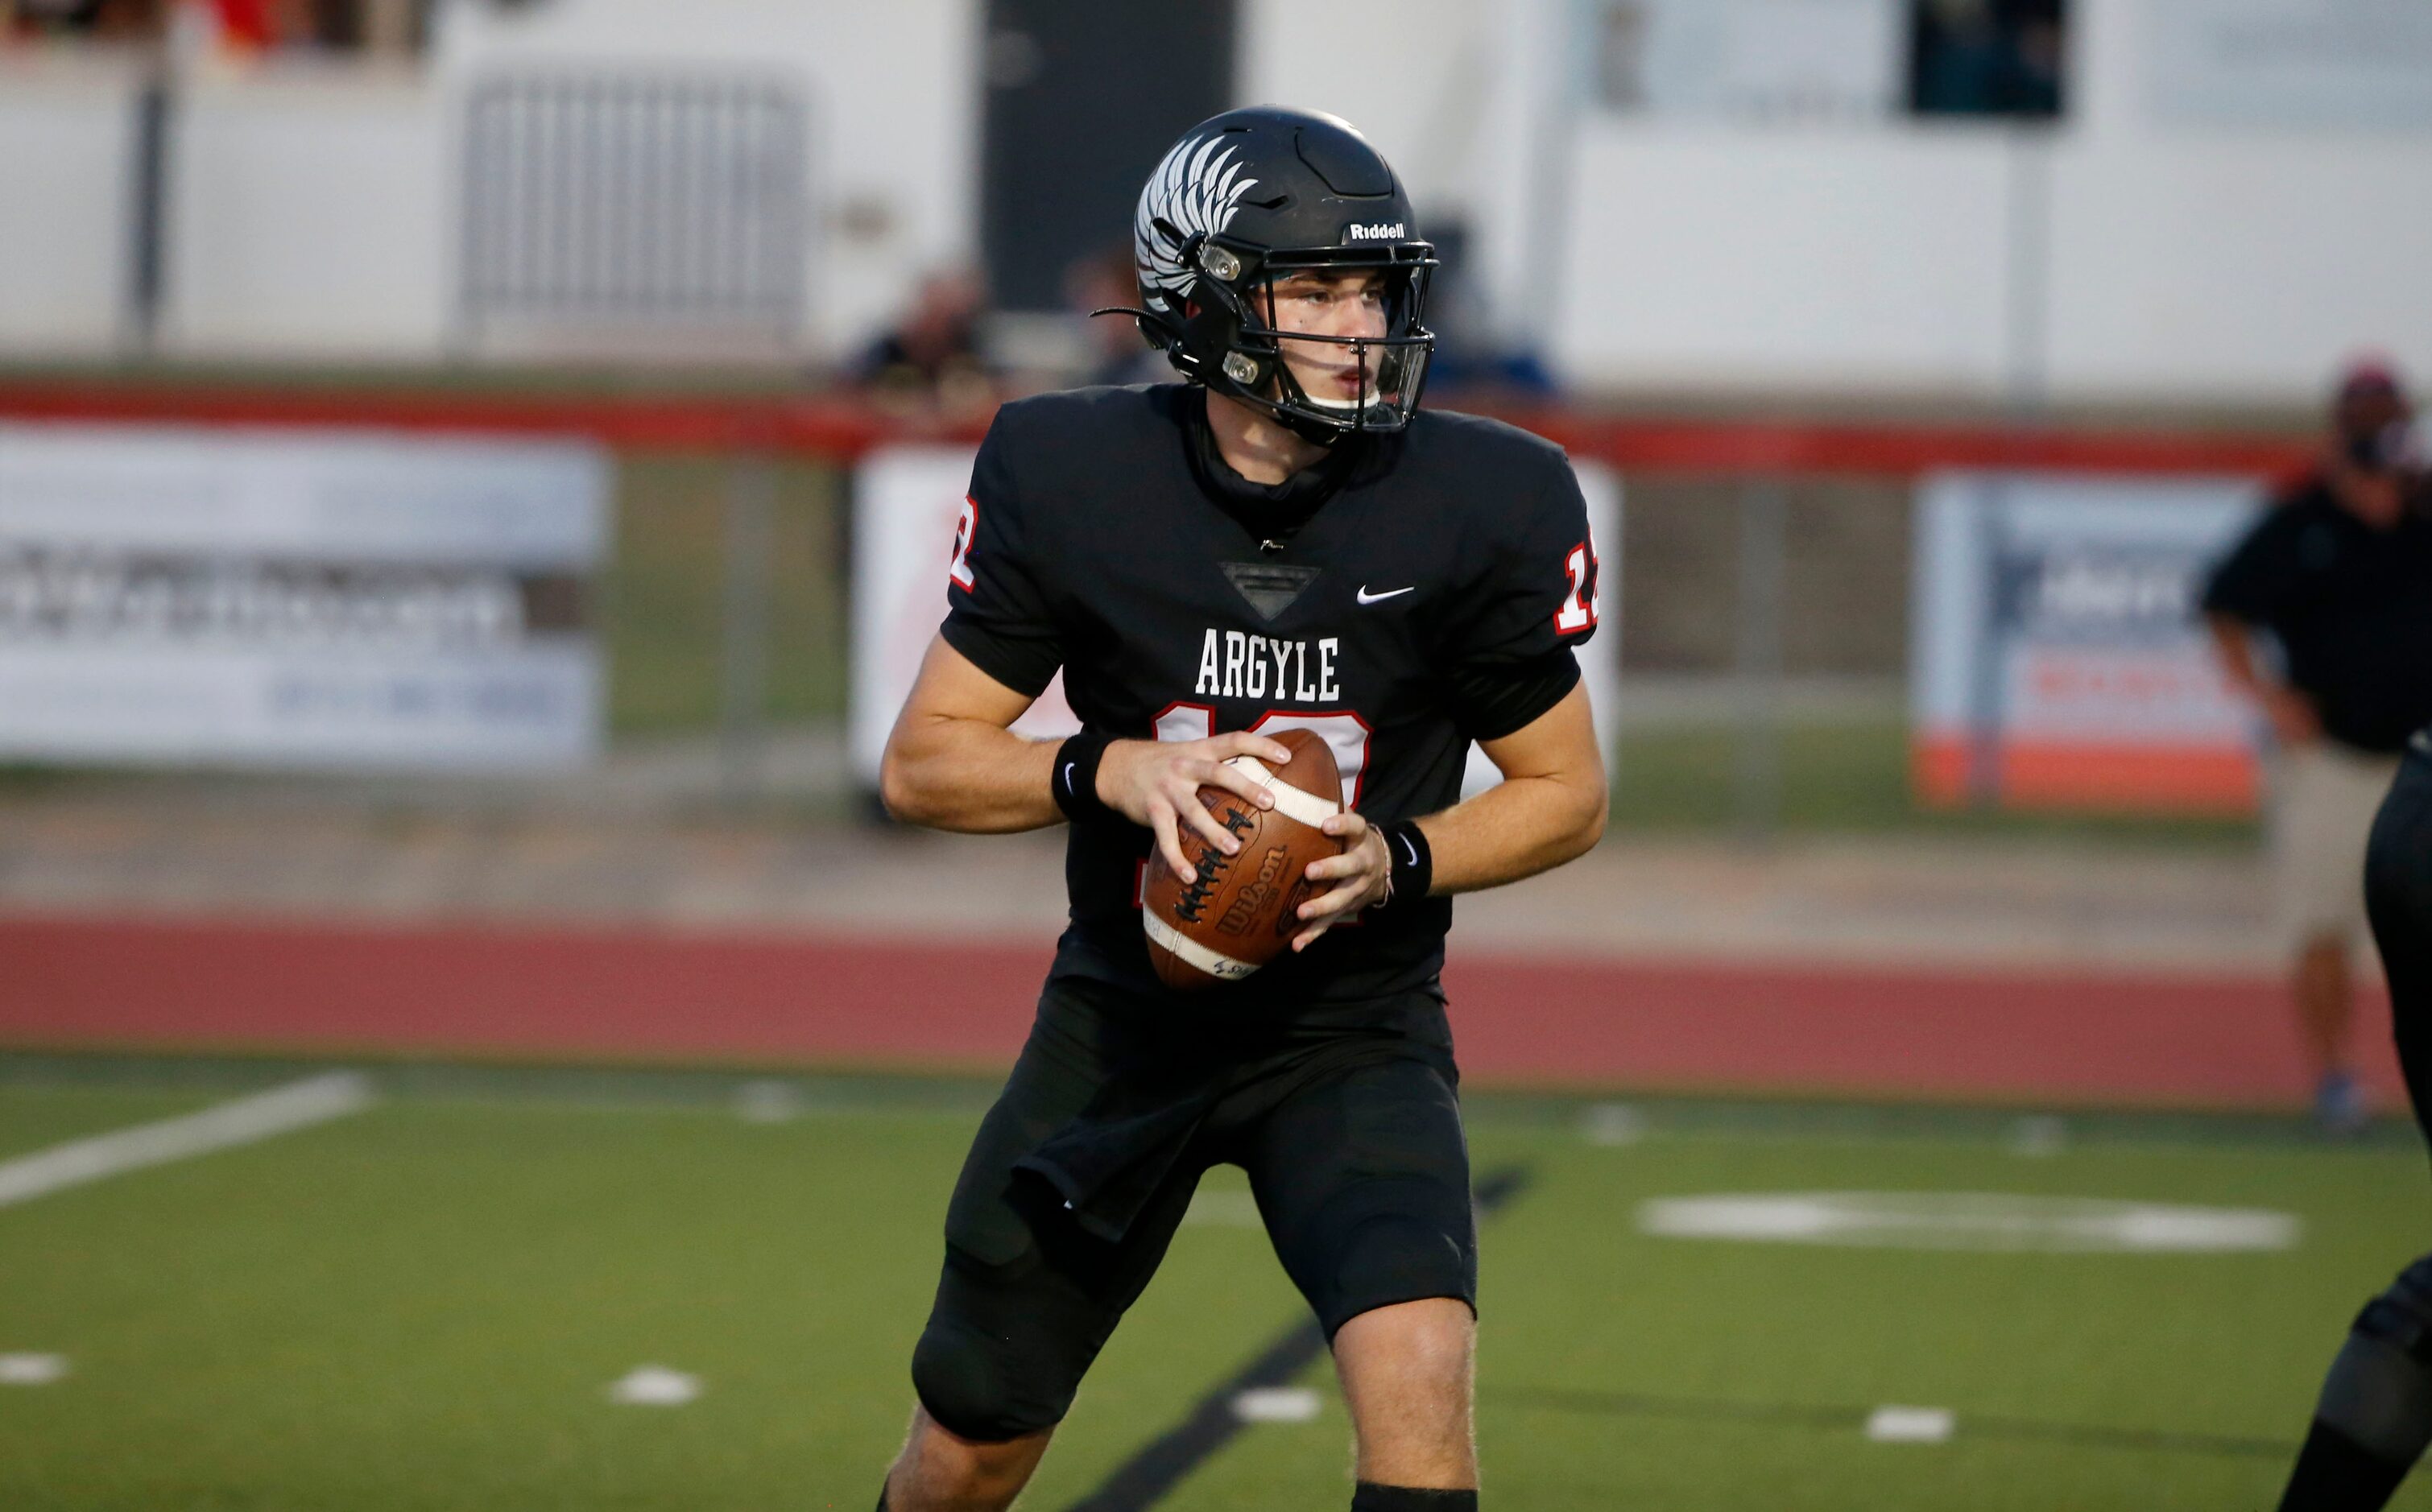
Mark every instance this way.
x=2068 y=1038
x=840 y=430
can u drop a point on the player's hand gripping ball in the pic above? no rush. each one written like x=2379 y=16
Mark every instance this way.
x=1245 y=908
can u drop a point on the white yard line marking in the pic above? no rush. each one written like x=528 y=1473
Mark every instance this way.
x=296 y=1105
x=32 y=1370
x=1968 y=1220
x=2039 y=1136
x=1911 y=1425
x=769 y=1101
x=1613 y=1123
x=655 y=1385
x=1275 y=1404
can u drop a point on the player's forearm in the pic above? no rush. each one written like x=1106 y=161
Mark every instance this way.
x=1516 y=829
x=967 y=775
x=2234 y=648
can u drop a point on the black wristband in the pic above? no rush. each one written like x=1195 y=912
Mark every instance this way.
x=1074 y=781
x=1415 y=864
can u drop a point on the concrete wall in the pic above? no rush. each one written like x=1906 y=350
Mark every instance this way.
x=894 y=107
x=310 y=218
x=63 y=201
x=2116 y=256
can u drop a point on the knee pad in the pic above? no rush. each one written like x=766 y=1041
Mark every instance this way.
x=2379 y=1391
x=963 y=1387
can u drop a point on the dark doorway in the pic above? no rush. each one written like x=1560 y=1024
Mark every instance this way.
x=1081 y=98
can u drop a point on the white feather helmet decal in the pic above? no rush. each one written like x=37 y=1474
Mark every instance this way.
x=1194 y=191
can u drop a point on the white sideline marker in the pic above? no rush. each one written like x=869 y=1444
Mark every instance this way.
x=32 y=1370
x=1276 y=1404
x=244 y=1121
x=1911 y=1425
x=655 y=1385
x=769 y=1101
x=1613 y=1124
x=2038 y=1136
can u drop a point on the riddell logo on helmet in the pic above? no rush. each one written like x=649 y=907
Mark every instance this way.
x=1382 y=231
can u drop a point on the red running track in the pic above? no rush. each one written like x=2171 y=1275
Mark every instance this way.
x=2084 y=1038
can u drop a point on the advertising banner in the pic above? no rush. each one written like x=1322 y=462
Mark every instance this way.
x=2057 y=657
x=2247 y=64
x=1776 y=60
x=907 y=506
x=298 y=599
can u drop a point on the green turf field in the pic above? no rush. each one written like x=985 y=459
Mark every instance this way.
x=423 y=1306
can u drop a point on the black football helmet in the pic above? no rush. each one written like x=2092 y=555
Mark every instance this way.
x=1250 y=197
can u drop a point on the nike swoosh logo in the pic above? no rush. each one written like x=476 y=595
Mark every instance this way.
x=1367 y=598
x=1412 y=849
x=1068 y=775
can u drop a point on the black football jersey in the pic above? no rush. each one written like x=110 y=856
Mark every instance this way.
x=1432 y=600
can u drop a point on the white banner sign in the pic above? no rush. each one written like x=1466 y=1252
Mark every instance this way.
x=280 y=598
x=2336 y=63
x=1747 y=60
x=2057 y=656
x=906 y=503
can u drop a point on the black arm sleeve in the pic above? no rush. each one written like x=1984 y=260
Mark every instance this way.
x=1511 y=659
x=997 y=608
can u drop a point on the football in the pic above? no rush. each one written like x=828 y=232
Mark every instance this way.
x=1240 y=914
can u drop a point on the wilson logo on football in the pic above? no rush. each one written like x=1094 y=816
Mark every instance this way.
x=1256 y=895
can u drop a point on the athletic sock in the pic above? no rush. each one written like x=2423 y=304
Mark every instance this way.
x=2335 y=1473
x=1370 y=1497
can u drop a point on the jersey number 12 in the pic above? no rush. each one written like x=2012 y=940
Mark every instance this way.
x=1348 y=734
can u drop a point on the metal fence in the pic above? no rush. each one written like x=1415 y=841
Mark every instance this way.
x=615 y=203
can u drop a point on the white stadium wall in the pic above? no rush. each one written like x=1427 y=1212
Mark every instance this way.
x=1711 y=257
x=64 y=198
x=894 y=118
x=2132 y=253
x=2149 y=250
x=308 y=218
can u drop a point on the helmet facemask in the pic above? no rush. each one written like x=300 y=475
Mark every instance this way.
x=1230 y=328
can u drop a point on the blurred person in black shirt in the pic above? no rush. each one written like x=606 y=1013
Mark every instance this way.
x=932 y=355
x=1115 y=354
x=2339 y=576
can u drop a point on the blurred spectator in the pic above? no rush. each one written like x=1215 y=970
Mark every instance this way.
x=932 y=356
x=1116 y=350
x=2340 y=575
x=240 y=27
x=107 y=21
x=1985 y=56
x=1470 y=355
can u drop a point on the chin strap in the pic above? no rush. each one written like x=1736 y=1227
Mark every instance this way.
x=1315 y=432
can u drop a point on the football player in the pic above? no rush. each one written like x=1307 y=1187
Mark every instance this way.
x=2374 y=1416
x=1284 y=540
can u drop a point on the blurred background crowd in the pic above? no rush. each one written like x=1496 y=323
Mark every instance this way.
x=1928 y=354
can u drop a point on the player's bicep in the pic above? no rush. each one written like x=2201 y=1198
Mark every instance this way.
x=1558 y=744
x=951 y=687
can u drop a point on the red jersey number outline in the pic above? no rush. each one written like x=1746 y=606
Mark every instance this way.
x=1183 y=720
x=966 y=525
x=1579 y=606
